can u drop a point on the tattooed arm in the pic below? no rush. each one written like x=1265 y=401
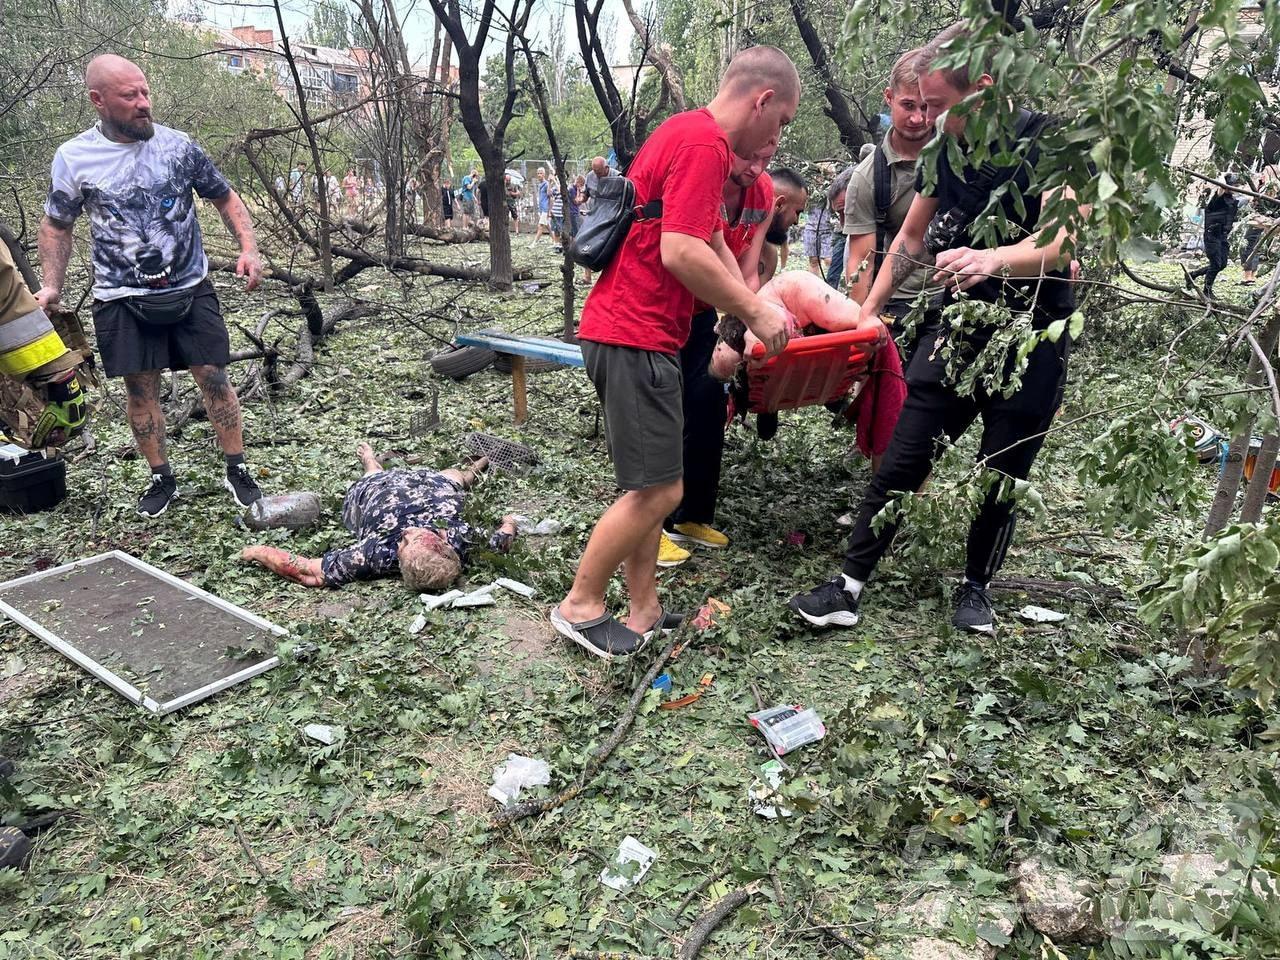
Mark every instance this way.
x=908 y=252
x=236 y=216
x=54 y=242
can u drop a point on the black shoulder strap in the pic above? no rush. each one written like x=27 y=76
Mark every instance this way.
x=883 y=183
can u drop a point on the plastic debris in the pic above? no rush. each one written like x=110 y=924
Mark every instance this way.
x=703 y=686
x=433 y=602
x=762 y=793
x=1041 y=614
x=417 y=624
x=323 y=733
x=662 y=683
x=292 y=511
x=621 y=875
x=538 y=528
x=710 y=614
x=476 y=598
x=845 y=520
x=514 y=774
x=788 y=727
x=515 y=586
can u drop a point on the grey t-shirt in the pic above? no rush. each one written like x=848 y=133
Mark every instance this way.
x=143 y=229
x=860 y=208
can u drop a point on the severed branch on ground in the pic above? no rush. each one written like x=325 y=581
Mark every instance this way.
x=532 y=808
x=706 y=924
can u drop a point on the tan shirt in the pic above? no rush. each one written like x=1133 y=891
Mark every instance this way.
x=860 y=208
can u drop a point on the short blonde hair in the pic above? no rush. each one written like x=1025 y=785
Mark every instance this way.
x=904 y=72
x=429 y=565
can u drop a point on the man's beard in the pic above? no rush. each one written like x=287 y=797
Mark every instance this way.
x=776 y=235
x=925 y=134
x=135 y=128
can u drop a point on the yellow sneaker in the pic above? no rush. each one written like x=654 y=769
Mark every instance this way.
x=700 y=533
x=669 y=555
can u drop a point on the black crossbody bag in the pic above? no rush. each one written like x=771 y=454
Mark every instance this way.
x=613 y=211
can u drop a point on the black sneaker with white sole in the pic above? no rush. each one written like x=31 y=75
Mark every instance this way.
x=973 y=609
x=242 y=486
x=827 y=605
x=156 y=498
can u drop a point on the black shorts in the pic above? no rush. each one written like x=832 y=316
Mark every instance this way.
x=642 y=394
x=128 y=346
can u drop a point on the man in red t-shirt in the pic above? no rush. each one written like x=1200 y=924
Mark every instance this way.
x=636 y=319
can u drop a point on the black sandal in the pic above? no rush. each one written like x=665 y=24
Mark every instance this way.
x=603 y=637
x=666 y=623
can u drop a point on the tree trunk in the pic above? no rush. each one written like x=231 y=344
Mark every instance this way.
x=322 y=192
x=852 y=135
x=19 y=255
x=500 y=269
x=1224 y=497
x=557 y=156
x=1255 y=494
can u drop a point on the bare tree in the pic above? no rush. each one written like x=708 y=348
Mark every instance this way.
x=308 y=130
x=488 y=141
x=628 y=122
x=539 y=90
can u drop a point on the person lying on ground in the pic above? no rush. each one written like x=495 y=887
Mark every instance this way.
x=815 y=307
x=406 y=520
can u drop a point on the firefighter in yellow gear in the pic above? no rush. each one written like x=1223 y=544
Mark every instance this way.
x=31 y=350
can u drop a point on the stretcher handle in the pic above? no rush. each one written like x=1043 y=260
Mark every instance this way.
x=823 y=341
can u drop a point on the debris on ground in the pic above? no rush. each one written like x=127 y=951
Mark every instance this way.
x=323 y=733
x=765 y=800
x=515 y=586
x=514 y=774
x=787 y=728
x=433 y=601
x=1036 y=614
x=710 y=614
x=287 y=511
x=629 y=866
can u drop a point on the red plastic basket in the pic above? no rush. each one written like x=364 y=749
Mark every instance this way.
x=809 y=370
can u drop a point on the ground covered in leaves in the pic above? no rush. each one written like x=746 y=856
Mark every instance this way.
x=223 y=831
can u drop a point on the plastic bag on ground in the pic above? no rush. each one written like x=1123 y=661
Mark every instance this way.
x=788 y=727
x=620 y=875
x=514 y=774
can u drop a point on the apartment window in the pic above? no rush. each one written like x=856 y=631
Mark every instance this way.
x=345 y=83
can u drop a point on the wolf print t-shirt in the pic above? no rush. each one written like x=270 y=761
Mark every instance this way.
x=143 y=229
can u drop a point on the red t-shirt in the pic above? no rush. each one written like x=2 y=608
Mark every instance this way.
x=757 y=207
x=636 y=302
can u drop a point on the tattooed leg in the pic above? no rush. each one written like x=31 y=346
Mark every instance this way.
x=146 y=419
x=222 y=405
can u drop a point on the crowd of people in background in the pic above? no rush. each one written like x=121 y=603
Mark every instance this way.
x=554 y=214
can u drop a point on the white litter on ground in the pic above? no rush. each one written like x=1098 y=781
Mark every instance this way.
x=621 y=875
x=514 y=774
x=1041 y=614
x=322 y=732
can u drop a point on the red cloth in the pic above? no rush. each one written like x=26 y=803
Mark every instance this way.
x=757 y=208
x=637 y=302
x=878 y=404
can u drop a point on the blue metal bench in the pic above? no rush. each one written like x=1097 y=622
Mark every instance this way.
x=519 y=348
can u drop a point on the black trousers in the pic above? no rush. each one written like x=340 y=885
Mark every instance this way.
x=1012 y=434
x=1216 y=249
x=704 y=415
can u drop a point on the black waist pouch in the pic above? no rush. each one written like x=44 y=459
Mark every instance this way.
x=162 y=309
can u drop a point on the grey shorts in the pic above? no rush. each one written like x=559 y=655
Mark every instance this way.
x=642 y=395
